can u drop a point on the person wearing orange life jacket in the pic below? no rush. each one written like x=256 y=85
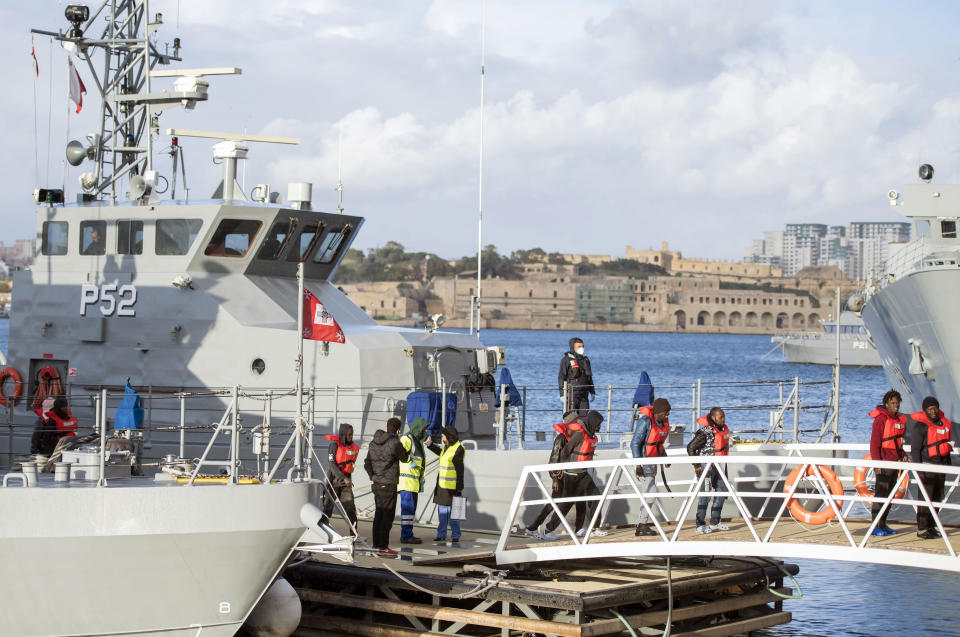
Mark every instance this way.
x=886 y=443
x=651 y=431
x=341 y=461
x=577 y=482
x=559 y=441
x=930 y=433
x=45 y=437
x=711 y=439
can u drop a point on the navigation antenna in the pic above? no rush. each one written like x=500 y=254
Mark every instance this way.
x=483 y=27
x=340 y=172
x=129 y=109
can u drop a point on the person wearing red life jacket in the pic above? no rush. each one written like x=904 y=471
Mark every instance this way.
x=45 y=436
x=580 y=447
x=886 y=443
x=651 y=431
x=561 y=439
x=930 y=433
x=711 y=439
x=341 y=460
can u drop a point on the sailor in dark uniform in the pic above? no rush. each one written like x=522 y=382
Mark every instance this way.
x=576 y=373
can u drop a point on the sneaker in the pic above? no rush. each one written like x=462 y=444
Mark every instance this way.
x=890 y=531
x=581 y=532
x=599 y=533
x=388 y=552
x=928 y=534
x=550 y=536
x=439 y=539
x=410 y=540
x=703 y=529
x=533 y=533
x=719 y=526
x=644 y=529
x=880 y=532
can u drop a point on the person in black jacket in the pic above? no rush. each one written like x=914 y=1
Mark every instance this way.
x=382 y=464
x=578 y=482
x=929 y=442
x=576 y=373
x=449 y=482
x=558 y=443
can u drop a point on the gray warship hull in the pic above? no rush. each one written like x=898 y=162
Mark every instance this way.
x=919 y=310
x=155 y=559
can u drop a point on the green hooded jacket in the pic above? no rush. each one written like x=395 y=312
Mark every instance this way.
x=411 y=472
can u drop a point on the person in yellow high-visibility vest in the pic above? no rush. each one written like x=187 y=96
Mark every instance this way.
x=411 y=478
x=449 y=482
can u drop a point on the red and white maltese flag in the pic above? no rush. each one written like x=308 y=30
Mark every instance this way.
x=77 y=89
x=318 y=323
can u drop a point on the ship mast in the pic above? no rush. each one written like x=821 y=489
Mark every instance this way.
x=483 y=25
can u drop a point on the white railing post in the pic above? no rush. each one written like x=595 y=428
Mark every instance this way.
x=609 y=407
x=183 y=419
x=101 y=407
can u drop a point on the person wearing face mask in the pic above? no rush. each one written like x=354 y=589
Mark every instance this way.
x=576 y=374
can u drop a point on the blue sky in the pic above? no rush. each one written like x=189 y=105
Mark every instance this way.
x=606 y=123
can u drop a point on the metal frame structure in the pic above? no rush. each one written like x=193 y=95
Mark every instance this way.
x=761 y=540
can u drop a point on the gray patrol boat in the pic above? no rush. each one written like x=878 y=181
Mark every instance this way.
x=848 y=336
x=910 y=309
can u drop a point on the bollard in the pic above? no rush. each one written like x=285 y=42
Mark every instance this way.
x=29 y=469
x=61 y=472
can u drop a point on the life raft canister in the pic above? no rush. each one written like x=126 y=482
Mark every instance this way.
x=653 y=446
x=14 y=375
x=938 y=437
x=860 y=481
x=825 y=514
x=346 y=454
x=721 y=437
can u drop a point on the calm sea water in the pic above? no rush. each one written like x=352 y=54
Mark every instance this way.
x=838 y=598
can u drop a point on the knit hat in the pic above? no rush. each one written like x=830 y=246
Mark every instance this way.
x=660 y=405
x=930 y=401
x=569 y=417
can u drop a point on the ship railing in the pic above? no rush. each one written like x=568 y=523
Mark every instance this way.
x=772 y=410
x=773 y=510
x=918 y=254
x=229 y=427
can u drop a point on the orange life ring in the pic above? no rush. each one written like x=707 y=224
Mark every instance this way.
x=10 y=372
x=822 y=516
x=860 y=481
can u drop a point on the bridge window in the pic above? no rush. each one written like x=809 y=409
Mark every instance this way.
x=93 y=235
x=175 y=236
x=276 y=240
x=233 y=238
x=129 y=237
x=333 y=242
x=308 y=236
x=948 y=229
x=54 y=238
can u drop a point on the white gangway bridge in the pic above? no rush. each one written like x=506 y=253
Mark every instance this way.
x=774 y=497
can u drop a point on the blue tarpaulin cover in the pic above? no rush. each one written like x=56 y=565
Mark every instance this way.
x=427 y=405
x=129 y=413
x=644 y=394
x=513 y=394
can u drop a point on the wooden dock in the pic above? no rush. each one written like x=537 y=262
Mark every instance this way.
x=710 y=597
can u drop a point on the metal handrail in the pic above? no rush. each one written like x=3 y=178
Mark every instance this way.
x=762 y=542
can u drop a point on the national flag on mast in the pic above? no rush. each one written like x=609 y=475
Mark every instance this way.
x=36 y=65
x=318 y=323
x=77 y=89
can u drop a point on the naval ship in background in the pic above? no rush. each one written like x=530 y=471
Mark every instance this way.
x=910 y=308
x=821 y=348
